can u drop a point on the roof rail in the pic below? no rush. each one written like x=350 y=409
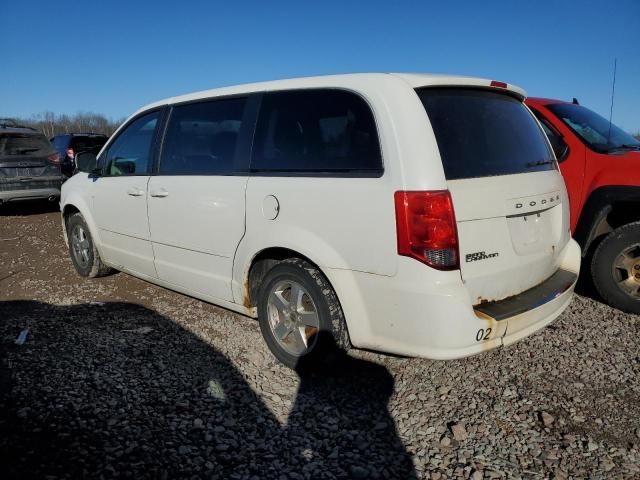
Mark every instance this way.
x=10 y=123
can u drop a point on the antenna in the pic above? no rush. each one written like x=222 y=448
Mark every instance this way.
x=613 y=91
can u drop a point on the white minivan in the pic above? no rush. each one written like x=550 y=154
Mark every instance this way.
x=419 y=215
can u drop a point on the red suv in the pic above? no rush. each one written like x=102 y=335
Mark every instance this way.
x=600 y=164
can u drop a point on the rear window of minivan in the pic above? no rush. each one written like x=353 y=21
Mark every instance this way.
x=483 y=133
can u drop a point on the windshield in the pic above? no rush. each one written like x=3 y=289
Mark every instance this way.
x=24 y=144
x=592 y=128
x=482 y=133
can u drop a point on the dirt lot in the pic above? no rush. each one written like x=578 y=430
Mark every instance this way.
x=153 y=384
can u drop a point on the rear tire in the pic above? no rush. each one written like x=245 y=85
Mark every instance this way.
x=82 y=250
x=615 y=268
x=300 y=317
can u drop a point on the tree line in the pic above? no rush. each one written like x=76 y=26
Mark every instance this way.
x=50 y=123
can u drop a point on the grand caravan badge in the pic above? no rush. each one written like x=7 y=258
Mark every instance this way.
x=474 y=257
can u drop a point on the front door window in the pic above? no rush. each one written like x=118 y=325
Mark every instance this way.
x=130 y=153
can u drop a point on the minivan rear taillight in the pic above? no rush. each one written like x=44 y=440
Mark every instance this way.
x=54 y=158
x=426 y=228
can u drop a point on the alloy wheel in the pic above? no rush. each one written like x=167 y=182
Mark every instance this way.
x=626 y=271
x=80 y=246
x=293 y=317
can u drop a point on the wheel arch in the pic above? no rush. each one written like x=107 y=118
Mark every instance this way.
x=66 y=212
x=76 y=204
x=266 y=259
x=261 y=262
x=606 y=209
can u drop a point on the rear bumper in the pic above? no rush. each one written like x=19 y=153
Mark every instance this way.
x=541 y=294
x=425 y=313
x=29 y=194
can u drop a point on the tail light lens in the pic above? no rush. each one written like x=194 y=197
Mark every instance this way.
x=54 y=158
x=426 y=228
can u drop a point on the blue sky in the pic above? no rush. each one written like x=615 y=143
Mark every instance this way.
x=114 y=56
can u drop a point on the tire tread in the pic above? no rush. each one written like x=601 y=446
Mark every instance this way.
x=98 y=267
x=322 y=355
x=602 y=280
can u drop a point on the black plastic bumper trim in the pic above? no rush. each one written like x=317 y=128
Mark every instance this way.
x=552 y=287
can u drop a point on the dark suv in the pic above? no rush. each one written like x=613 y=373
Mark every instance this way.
x=29 y=165
x=70 y=144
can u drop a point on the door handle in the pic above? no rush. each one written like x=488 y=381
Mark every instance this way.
x=159 y=193
x=135 y=192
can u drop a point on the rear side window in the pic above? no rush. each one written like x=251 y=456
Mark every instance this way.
x=313 y=132
x=202 y=138
x=482 y=133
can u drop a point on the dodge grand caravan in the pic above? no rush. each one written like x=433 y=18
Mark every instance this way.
x=415 y=214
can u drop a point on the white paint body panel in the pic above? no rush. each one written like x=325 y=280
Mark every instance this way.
x=426 y=313
x=122 y=222
x=195 y=230
x=208 y=229
x=505 y=215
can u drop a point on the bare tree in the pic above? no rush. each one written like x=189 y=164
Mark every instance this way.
x=48 y=123
x=51 y=124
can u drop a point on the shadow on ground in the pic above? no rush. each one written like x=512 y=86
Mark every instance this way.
x=28 y=207
x=90 y=394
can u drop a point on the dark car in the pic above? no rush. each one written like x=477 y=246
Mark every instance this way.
x=68 y=145
x=30 y=168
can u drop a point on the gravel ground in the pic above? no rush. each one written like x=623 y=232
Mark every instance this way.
x=153 y=384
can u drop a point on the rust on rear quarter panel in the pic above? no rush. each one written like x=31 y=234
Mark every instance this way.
x=246 y=300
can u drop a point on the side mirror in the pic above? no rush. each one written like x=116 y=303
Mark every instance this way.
x=96 y=172
x=87 y=162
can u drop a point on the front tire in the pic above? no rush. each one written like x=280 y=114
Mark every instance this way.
x=300 y=317
x=82 y=249
x=615 y=268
